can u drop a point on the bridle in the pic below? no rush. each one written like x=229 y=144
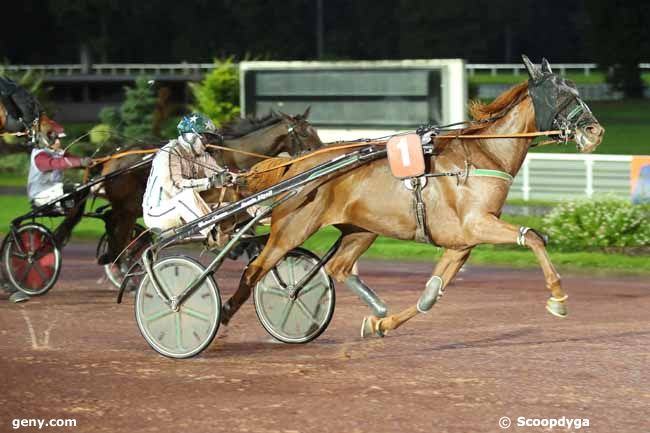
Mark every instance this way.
x=297 y=135
x=559 y=107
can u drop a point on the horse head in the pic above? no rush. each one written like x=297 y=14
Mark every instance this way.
x=559 y=106
x=301 y=135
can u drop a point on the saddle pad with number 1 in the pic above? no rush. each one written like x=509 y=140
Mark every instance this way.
x=405 y=156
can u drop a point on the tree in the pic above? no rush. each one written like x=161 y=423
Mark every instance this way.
x=133 y=120
x=217 y=96
x=619 y=41
x=137 y=111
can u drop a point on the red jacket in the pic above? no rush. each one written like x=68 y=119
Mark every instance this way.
x=47 y=162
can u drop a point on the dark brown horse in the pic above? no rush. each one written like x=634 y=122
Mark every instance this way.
x=271 y=135
x=461 y=211
x=40 y=132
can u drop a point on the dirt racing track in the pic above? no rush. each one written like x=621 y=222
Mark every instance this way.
x=487 y=350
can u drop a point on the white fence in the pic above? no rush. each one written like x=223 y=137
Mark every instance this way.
x=557 y=176
x=187 y=68
x=519 y=68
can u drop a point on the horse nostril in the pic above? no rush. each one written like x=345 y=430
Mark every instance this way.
x=595 y=130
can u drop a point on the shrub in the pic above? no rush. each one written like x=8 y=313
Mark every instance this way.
x=601 y=223
x=15 y=164
x=217 y=96
x=100 y=133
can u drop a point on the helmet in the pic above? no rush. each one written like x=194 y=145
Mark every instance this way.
x=196 y=123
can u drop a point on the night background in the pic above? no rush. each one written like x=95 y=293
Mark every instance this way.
x=567 y=209
x=55 y=31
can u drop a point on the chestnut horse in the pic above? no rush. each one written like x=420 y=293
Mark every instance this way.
x=270 y=135
x=461 y=211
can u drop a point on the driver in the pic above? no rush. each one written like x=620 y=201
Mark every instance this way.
x=45 y=178
x=45 y=181
x=179 y=171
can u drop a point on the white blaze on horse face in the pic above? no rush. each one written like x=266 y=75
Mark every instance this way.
x=404 y=152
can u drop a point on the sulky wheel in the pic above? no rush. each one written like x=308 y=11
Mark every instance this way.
x=31 y=259
x=115 y=271
x=295 y=318
x=186 y=332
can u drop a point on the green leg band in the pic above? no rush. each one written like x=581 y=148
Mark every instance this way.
x=432 y=292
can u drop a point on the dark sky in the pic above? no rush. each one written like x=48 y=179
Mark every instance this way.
x=52 y=31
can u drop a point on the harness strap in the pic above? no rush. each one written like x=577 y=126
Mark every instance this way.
x=318 y=152
x=421 y=233
x=484 y=172
x=513 y=135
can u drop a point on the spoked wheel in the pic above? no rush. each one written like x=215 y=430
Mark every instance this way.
x=186 y=332
x=31 y=259
x=295 y=318
x=115 y=271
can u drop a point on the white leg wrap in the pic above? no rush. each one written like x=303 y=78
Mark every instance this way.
x=521 y=237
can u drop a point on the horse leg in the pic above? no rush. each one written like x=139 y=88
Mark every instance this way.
x=492 y=230
x=445 y=270
x=119 y=231
x=283 y=238
x=341 y=267
x=64 y=230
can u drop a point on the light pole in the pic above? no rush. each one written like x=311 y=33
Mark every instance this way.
x=319 y=29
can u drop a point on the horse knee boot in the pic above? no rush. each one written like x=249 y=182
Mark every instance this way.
x=431 y=294
x=367 y=295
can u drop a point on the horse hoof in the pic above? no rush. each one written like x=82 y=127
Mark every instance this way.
x=557 y=307
x=369 y=327
x=226 y=314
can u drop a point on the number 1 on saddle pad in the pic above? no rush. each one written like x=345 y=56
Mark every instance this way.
x=405 y=156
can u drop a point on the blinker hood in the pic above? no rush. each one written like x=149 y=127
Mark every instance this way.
x=551 y=97
x=546 y=98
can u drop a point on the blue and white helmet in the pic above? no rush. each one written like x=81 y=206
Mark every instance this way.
x=194 y=132
x=197 y=123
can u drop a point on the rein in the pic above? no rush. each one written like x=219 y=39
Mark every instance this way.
x=102 y=160
x=383 y=143
x=243 y=152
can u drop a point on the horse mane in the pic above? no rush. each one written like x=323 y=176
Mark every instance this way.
x=500 y=105
x=240 y=127
x=264 y=174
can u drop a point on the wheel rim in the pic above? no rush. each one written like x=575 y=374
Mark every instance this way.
x=186 y=332
x=32 y=259
x=304 y=318
x=115 y=271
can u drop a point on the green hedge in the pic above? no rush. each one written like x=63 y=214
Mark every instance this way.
x=604 y=223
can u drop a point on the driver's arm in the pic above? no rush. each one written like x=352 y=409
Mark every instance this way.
x=46 y=162
x=179 y=182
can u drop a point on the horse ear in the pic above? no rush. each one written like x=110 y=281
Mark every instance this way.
x=546 y=66
x=533 y=72
x=306 y=113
